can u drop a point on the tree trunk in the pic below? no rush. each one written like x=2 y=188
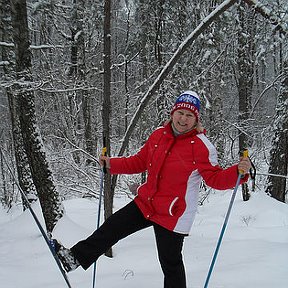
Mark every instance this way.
x=245 y=71
x=4 y=195
x=22 y=164
x=277 y=186
x=244 y=77
x=41 y=173
x=80 y=99
x=106 y=108
x=90 y=143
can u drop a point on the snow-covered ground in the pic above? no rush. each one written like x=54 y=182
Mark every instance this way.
x=253 y=254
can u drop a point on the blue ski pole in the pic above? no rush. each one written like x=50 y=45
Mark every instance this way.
x=103 y=172
x=241 y=173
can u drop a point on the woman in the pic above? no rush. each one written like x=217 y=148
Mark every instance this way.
x=176 y=157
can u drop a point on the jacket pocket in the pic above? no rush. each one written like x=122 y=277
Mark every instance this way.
x=168 y=206
x=172 y=205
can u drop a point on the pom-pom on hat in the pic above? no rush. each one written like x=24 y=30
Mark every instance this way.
x=188 y=100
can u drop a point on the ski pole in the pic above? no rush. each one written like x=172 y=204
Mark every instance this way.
x=46 y=238
x=241 y=173
x=103 y=172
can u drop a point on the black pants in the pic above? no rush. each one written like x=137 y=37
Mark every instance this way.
x=124 y=222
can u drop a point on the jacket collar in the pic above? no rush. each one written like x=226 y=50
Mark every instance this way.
x=169 y=131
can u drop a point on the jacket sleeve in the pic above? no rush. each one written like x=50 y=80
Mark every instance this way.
x=221 y=179
x=130 y=165
x=215 y=176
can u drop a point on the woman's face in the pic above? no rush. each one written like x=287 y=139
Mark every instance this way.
x=183 y=120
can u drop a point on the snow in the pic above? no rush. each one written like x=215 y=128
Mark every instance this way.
x=6 y=44
x=253 y=253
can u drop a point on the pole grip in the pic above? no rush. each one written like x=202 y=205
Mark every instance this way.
x=245 y=155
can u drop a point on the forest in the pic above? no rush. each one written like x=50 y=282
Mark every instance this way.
x=75 y=72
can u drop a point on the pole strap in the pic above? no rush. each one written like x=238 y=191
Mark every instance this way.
x=252 y=172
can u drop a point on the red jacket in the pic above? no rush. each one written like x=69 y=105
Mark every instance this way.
x=176 y=167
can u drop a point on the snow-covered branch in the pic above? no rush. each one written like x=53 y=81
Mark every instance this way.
x=266 y=13
x=33 y=47
x=170 y=64
x=5 y=44
x=45 y=46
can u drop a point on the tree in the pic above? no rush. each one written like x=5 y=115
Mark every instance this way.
x=22 y=165
x=245 y=68
x=150 y=62
x=168 y=67
x=78 y=99
x=245 y=75
x=277 y=186
x=23 y=91
x=106 y=107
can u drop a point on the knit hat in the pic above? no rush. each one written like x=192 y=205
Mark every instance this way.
x=188 y=100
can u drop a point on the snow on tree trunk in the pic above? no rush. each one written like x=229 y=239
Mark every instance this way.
x=23 y=91
x=22 y=163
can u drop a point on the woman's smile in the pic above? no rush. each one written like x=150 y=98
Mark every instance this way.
x=183 y=120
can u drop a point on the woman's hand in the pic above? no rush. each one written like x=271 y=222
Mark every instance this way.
x=244 y=165
x=104 y=161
